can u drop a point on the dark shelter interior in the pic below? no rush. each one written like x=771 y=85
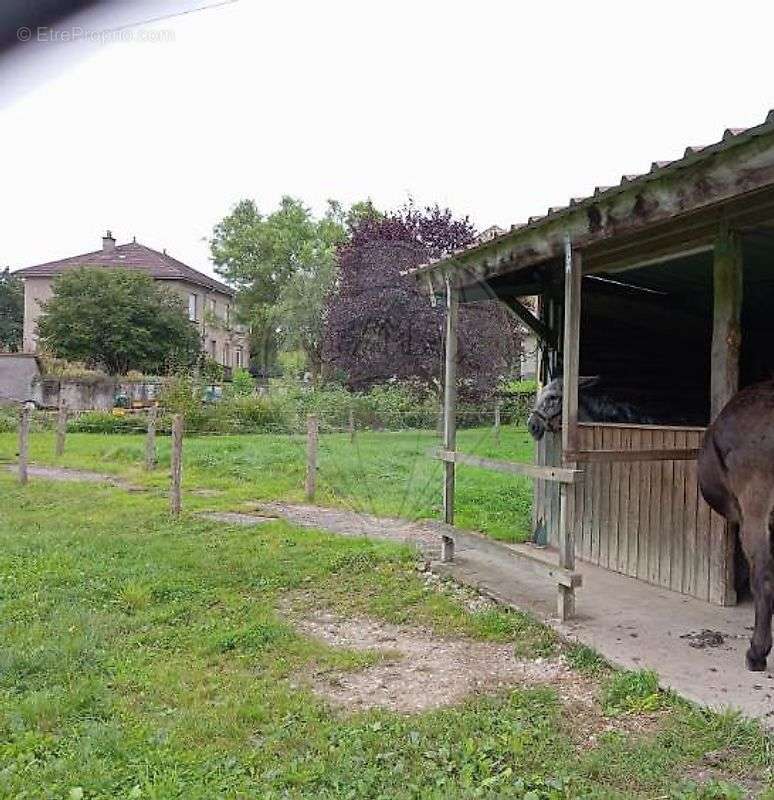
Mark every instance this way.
x=647 y=331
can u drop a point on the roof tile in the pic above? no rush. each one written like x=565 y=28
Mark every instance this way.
x=133 y=256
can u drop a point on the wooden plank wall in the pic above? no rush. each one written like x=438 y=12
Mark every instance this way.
x=644 y=519
x=546 y=501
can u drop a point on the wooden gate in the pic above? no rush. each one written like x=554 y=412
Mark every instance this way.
x=645 y=519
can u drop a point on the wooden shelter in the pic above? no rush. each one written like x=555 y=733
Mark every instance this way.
x=664 y=287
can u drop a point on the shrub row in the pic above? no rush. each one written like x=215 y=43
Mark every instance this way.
x=284 y=409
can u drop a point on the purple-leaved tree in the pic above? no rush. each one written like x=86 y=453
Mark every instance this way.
x=379 y=326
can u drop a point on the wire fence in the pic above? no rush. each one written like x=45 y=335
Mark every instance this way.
x=225 y=420
x=378 y=464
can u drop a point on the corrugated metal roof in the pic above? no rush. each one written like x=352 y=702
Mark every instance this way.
x=731 y=137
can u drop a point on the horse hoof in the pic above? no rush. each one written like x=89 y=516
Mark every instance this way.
x=754 y=663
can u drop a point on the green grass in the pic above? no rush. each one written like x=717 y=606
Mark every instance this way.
x=388 y=474
x=142 y=657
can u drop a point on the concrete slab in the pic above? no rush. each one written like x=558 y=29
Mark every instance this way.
x=637 y=626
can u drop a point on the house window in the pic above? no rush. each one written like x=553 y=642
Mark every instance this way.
x=226 y=354
x=213 y=307
x=213 y=349
x=238 y=357
x=192 y=315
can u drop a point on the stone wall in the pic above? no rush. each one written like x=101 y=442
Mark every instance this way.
x=17 y=373
x=82 y=395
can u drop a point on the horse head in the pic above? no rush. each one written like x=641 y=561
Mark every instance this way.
x=547 y=412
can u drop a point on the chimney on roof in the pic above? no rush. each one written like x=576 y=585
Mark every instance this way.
x=108 y=243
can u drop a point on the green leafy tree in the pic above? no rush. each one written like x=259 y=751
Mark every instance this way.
x=284 y=266
x=11 y=311
x=119 y=320
x=300 y=311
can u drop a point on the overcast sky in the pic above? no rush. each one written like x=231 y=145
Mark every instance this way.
x=496 y=109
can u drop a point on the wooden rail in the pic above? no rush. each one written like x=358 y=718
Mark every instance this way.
x=556 y=474
x=536 y=560
x=604 y=456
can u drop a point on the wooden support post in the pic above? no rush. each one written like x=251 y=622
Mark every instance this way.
x=726 y=327
x=24 y=442
x=150 y=440
x=728 y=279
x=311 y=456
x=571 y=354
x=497 y=424
x=351 y=426
x=450 y=399
x=175 y=492
x=61 y=429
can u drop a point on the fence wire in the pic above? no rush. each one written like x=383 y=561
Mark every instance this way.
x=380 y=465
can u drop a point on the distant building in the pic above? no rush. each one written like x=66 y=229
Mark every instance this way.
x=210 y=303
x=492 y=232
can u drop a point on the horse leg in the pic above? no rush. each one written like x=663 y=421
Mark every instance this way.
x=758 y=550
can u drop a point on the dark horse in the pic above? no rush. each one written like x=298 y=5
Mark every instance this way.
x=592 y=407
x=736 y=477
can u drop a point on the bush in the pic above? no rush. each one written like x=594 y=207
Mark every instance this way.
x=9 y=419
x=107 y=422
x=182 y=395
x=242 y=382
x=258 y=413
x=391 y=406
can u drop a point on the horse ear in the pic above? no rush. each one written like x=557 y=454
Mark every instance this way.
x=587 y=381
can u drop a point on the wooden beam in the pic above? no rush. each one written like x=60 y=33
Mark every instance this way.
x=606 y=456
x=537 y=326
x=556 y=474
x=573 y=269
x=537 y=561
x=450 y=400
x=726 y=330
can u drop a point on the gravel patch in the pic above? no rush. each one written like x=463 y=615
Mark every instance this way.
x=84 y=476
x=423 y=534
x=420 y=670
x=234 y=517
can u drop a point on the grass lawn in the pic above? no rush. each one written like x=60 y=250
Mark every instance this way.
x=387 y=474
x=147 y=658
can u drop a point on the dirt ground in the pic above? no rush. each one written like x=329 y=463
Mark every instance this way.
x=234 y=518
x=424 y=534
x=421 y=671
x=64 y=474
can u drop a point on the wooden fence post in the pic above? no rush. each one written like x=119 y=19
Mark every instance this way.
x=311 y=456
x=61 y=429
x=24 y=438
x=497 y=424
x=449 y=414
x=351 y=425
x=175 y=495
x=570 y=354
x=150 y=440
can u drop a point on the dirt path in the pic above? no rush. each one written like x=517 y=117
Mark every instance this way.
x=64 y=474
x=424 y=534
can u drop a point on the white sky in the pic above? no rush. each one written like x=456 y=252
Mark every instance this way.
x=497 y=109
